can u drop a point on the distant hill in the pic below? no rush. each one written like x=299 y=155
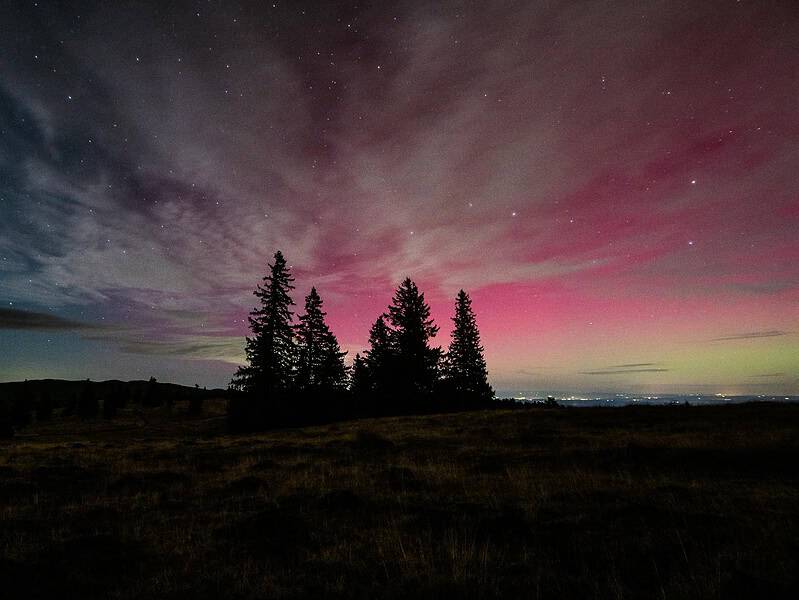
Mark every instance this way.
x=61 y=393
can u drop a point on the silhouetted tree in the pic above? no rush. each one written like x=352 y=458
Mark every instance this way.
x=87 y=406
x=465 y=366
x=416 y=363
x=320 y=361
x=360 y=382
x=379 y=365
x=269 y=372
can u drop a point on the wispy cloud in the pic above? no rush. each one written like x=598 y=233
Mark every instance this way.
x=534 y=370
x=751 y=335
x=11 y=318
x=137 y=190
x=623 y=371
x=226 y=349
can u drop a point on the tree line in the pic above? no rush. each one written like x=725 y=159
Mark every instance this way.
x=295 y=372
x=23 y=403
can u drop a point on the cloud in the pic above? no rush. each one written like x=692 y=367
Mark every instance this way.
x=150 y=182
x=752 y=335
x=642 y=367
x=225 y=349
x=11 y=318
x=624 y=371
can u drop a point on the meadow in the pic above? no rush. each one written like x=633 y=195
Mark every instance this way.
x=638 y=502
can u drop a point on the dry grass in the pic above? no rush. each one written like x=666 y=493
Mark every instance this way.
x=667 y=502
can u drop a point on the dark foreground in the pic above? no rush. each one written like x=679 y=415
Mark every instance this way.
x=644 y=502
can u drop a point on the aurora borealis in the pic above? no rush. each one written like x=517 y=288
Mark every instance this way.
x=615 y=183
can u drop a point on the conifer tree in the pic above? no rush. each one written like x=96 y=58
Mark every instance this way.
x=360 y=383
x=270 y=351
x=466 y=371
x=320 y=361
x=412 y=329
x=378 y=360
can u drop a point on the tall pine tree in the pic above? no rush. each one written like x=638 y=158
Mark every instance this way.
x=271 y=349
x=416 y=363
x=361 y=380
x=466 y=373
x=320 y=361
x=378 y=357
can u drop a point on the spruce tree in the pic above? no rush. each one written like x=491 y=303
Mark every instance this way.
x=378 y=360
x=320 y=361
x=416 y=362
x=270 y=351
x=360 y=383
x=466 y=371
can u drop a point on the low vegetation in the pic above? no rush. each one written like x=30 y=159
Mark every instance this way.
x=638 y=502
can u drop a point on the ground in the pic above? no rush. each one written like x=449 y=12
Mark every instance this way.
x=640 y=502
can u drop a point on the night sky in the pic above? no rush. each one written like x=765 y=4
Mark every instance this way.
x=615 y=183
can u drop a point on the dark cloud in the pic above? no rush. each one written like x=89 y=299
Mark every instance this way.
x=624 y=371
x=11 y=318
x=643 y=367
x=752 y=335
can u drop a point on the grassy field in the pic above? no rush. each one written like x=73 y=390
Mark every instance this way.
x=644 y=502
